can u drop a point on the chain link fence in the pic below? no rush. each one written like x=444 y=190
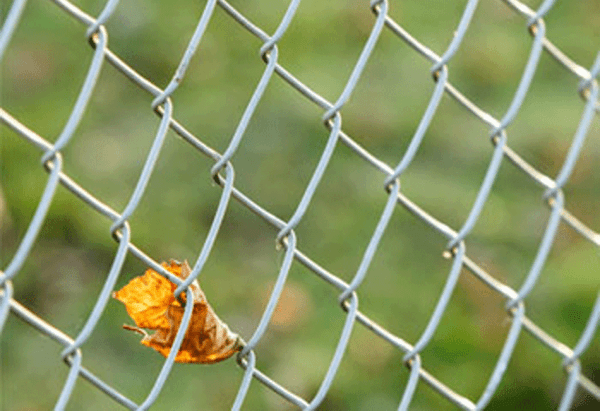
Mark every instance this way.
x=422 y=370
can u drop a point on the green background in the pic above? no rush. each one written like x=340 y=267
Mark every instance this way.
x=42 y=72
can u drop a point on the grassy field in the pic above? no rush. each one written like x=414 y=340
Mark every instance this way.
x=42 y=72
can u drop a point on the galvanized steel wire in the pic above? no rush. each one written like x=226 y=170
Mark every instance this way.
x=391 y=176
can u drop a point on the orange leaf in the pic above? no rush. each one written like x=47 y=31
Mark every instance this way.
x=150 y=303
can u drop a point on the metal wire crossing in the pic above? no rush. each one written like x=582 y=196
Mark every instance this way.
x=223 y=173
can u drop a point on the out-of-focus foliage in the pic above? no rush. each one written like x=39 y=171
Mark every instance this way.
x=42 y=73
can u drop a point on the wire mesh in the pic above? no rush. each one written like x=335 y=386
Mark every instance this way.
x=287 y=237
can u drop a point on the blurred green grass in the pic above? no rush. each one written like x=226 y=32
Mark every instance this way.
x=43 y=70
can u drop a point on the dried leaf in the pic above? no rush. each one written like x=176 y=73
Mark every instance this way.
x=150 y=303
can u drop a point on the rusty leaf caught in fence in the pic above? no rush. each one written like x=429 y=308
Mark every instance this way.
x=150 y=302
